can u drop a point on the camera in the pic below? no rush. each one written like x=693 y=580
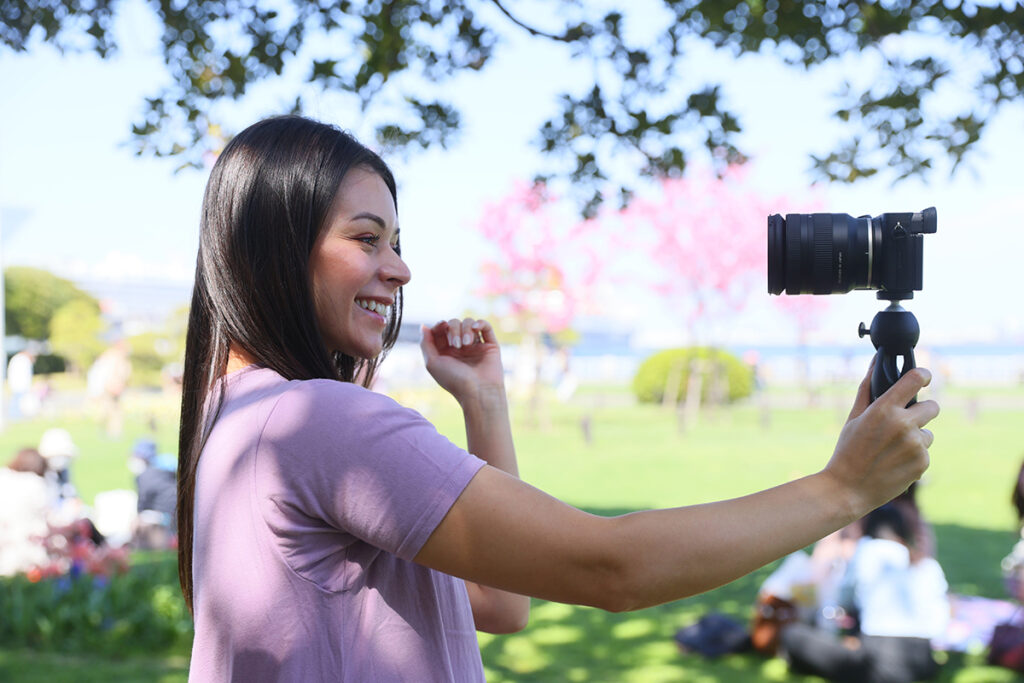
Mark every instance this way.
x=833 y=253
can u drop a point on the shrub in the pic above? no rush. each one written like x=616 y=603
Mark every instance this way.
x=654 y=374
x=138 y=611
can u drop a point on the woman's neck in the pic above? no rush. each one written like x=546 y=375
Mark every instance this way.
x=238 y=358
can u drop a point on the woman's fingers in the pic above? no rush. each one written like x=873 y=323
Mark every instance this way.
x=486 y=332
x=923 y=412
x=470 y=332
x=455 y=333
x=466 y=332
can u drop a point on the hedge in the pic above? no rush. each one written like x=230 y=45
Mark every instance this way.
x=655 y=373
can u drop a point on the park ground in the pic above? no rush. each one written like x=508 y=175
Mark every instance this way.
x=636 y=457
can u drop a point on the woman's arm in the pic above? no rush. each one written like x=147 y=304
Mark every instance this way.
x=473 y=373
x=502 y=532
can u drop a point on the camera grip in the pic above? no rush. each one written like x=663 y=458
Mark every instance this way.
x=887 y=371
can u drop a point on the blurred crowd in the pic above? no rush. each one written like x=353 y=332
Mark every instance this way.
x=46 y=529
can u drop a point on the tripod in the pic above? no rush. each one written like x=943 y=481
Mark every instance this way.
x=894 y=333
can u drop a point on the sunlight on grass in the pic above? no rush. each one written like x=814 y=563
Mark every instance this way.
x=637 y=458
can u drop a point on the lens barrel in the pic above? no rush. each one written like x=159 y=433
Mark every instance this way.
x=821 y=253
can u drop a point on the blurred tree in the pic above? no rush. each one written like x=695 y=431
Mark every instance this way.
x=147 y=361
x=543 y=269
x=75 y=333
x=641 y=108
x=705 y=238
x=33 y=296
x=542 y=266
x=157 y=355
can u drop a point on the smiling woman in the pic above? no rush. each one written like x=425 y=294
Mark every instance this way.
x=327 y=533
x=356 y=267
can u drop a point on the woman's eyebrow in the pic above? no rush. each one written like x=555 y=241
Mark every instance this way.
x=370 y=216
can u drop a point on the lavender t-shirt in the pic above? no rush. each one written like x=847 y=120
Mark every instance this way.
x=312 y=498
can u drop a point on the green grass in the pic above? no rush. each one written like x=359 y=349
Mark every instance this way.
x=638 y=458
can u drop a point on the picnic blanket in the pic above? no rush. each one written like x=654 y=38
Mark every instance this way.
x=972 y=621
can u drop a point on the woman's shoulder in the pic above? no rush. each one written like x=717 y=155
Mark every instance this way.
x=329 y=397
x=254 y=379
x=332 y=389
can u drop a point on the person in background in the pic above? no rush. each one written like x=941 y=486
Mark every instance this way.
x=899 y=597
x=107 y=380
x=807 y=587
x=59 y=449
x=156 y=484
x=24 y=509
x=19 y=381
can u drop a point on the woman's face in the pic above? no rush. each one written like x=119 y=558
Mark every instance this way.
x=354 y=267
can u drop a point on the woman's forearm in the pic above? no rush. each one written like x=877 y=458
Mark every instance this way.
x=489 y=437
x=725 y=540
x=488 y=429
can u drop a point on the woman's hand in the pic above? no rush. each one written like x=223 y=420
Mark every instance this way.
x=883 y=447
x=463 y=356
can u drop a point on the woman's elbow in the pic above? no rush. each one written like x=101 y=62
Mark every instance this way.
x=509 y=623
x=510 y=615
x=613 y=586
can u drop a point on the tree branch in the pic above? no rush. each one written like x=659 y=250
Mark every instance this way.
x=529 y=29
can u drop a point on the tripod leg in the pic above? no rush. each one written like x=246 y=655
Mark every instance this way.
x=887 y=371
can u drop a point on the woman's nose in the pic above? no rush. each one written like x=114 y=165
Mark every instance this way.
x=395 y=270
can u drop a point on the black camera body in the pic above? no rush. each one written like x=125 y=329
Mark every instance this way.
x=833 y=253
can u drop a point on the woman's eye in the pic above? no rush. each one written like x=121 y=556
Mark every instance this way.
x=369 y=239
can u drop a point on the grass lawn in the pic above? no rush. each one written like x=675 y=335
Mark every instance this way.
x=638 y=458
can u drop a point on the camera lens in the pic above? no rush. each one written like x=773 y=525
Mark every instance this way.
x=820 y=253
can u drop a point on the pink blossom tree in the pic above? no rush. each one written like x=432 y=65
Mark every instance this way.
x=706 y=243
x=543 y=261
x=542 y=270
x=708 y=255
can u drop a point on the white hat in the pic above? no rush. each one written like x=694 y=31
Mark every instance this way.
x=57 y=443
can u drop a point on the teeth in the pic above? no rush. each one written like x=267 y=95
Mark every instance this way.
x=374 y=306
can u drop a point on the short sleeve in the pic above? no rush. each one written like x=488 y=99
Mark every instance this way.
x=336 y=456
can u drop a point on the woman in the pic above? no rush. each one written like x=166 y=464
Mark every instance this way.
x=327 y=533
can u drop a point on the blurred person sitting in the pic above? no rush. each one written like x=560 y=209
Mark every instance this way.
x=24 y=507
x=900 y=599
x=156 y=484
x=807 y=587
x=59 y=450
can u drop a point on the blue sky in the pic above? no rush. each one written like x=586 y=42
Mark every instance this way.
x=79 y=203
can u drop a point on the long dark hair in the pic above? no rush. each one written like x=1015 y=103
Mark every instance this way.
x=265 y=204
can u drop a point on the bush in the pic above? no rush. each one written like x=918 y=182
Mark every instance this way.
x=139 y=611
x=654 y=374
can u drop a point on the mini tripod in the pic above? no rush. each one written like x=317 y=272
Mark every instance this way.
x=894 y=333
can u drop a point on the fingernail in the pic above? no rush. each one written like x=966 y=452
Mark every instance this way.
x=467 y=339
x=457 y=343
